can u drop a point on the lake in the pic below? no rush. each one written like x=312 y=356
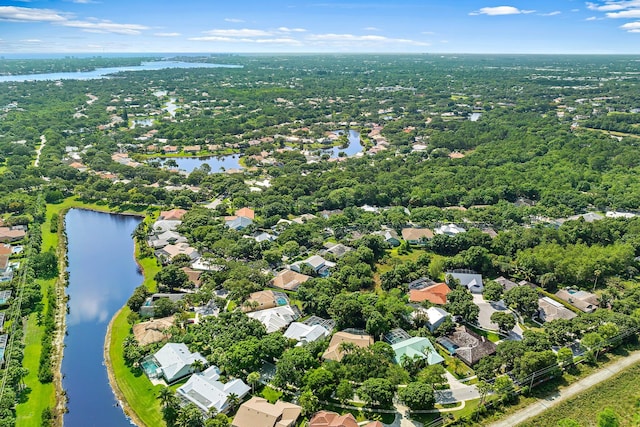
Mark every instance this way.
x=100 y=73
x=217 y=164
x=102 y=277
x=355 y=146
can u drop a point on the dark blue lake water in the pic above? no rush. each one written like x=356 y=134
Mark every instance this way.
x=102 y=276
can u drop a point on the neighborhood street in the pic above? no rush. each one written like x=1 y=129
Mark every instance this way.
x=537 y=408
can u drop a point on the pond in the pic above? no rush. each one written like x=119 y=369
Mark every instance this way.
x=217 y=163
x=102 y=275
x=354 y=147
x=100 y=73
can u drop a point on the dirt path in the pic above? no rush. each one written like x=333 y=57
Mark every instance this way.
x=574 y=389
x=43 y=142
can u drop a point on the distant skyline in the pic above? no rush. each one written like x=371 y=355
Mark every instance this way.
x=293 y=26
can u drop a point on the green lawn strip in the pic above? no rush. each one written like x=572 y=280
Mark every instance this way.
x=138 y=391
x=491 y=336
x=39 y=395
x=619 y=393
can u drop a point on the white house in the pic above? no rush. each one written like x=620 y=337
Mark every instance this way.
x=206 y=392
x=435 y=317
x=275 y=318
x=473 y=281
x=449 y=230
x=305 y=333
x=175 y=361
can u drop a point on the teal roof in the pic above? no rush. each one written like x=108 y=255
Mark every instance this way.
x=417 y=346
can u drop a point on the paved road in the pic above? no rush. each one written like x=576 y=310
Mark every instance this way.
x=576 y=388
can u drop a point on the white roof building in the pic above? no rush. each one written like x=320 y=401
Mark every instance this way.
x=305 y=333
x=163 y=225
x=206 y=392
x=275 y=318
x=435 y=316
x=449 y=230
x=175 y=360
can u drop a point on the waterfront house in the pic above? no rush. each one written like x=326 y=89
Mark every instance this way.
x=172 y=362
x=206 y=391
x=172 y=215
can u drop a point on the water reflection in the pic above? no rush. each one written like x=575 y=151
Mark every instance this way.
x=102 y=276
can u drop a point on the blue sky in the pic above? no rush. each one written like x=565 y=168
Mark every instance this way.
x=435 y=26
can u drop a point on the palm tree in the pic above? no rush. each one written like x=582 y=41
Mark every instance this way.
x=253 y=379
x=233 y=400
x=484 y=388
x=197 y=365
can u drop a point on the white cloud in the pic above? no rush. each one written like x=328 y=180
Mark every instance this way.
x=167 y=34
x=31 y=41
x=501 y=10
x=613 y=5
x=631 y=13
x=369 y=38
x=106 y=27
x=84 y=1
x=371 y=29
x=25 y=14
x=591 y=18
x=554 y=13
x=235 y=20
x=292 y=30
x=245 y=32
x=222 y=39
x=632 y=27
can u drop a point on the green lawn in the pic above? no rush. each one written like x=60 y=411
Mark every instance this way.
x=39 y=395
x=620 y=393
x=138 y=391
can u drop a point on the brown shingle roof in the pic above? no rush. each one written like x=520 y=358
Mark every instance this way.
x=334 y=352
x=411 y=234
x=289 y=280
x=257 y=412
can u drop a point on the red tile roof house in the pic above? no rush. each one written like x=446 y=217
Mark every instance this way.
x=435 y=294
x=173 y=214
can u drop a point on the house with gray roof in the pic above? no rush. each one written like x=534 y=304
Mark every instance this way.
x=239 y=223
x=468 y=278
x=304 y=333
x=172 y=362
x=206 y=391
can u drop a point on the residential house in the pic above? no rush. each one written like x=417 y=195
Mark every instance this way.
x=170 y=149
x=11 y=234
x=434 y=316
x=435 y=294
x=304 y=333
x=332 y=419
x=169 y=252
x=247 y=213
x=390 y=236
x=258 y=412
x=193 y=275
x=337 y=250
x=262 y=237
x=304 y=218
x=152 y=331
x=506 y=283
x=239 y=223
x=334 y=351
x=3 y=346
x=449 y=229
x=549 y=309
x=468 y=278
x=263 y=300
x=172 y=362
x=6 y=249
x=5 y=296
x=148 y=307
x=318 y=264
x=206 y=391
x=417 y=236
x=469 y=346
x=6 y=269
x=276 y=318
x=191 y=148
x=2 y=316
x=289 y=280
x=164 y=225
x=159 y=241
x=172 y=215
x=582 y=300
x=416 y=347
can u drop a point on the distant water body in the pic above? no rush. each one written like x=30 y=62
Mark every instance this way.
x=100 y=73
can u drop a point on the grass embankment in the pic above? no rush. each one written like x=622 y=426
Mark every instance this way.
x=619 y=393
x=134 y=387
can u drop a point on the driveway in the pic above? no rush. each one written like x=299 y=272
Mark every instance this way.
x=457 y=392
x=487 y=308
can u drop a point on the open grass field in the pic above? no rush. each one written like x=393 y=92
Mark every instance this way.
x=39 y=395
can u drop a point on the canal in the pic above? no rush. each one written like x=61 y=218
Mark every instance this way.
x=102 y=276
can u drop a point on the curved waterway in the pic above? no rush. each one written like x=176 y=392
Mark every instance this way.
x=102 y=275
